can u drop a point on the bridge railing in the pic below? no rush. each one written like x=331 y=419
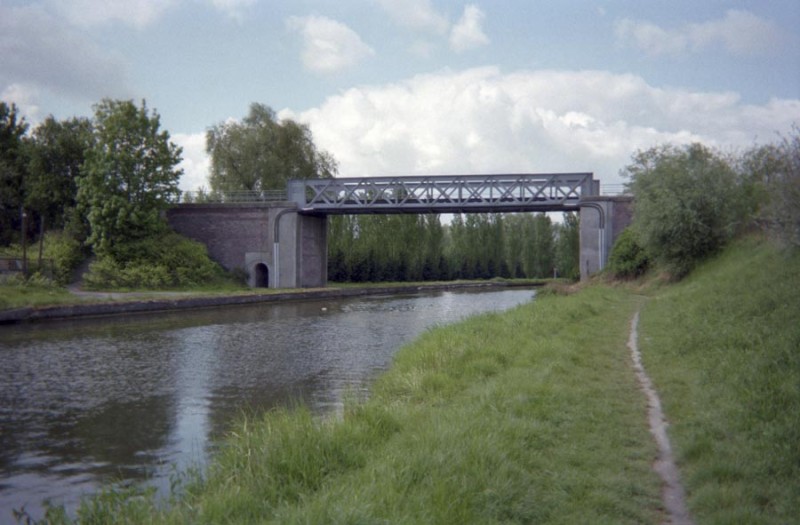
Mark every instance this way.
x=613 y=190
x=232 y=197
x=445 y=193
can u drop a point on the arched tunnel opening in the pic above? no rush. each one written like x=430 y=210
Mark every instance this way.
x=261 y=276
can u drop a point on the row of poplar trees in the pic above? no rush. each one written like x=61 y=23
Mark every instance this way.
x=378 y=248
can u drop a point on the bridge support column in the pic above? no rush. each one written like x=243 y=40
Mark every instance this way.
x=301 y=251
x=602 y=219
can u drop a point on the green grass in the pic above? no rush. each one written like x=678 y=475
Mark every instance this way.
x=16 y=293
x=723 y=349
x=530 y=416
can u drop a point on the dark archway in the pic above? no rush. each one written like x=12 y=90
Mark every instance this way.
x=261 y=276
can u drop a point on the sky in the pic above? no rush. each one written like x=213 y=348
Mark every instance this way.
x=423 y=87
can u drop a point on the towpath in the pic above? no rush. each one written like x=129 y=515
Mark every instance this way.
x=673 y=493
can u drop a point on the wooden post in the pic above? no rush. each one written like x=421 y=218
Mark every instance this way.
x=41 y=240
x=24 y=217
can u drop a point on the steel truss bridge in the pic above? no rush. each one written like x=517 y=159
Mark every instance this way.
x=443 y=193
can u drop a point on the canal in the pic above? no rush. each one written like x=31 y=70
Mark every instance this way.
x=85 y=403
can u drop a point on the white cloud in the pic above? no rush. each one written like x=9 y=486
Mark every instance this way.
x=416 y=14
x=137 y=13
x=328 y=45
x=738 y=32
x=468 y=33
x=37 y=51
x=650 y=38
x=196 y=162
x=484 y=121
x=234 y=8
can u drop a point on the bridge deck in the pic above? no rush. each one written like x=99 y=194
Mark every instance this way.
x=443 y=193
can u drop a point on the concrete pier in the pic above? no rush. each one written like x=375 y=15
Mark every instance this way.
x=602 y=219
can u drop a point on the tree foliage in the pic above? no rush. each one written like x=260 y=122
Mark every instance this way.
x=627 y=259
x=568 y=245
x=688 y=201
x=472 y=246
x=12 y=170
x=774 y=170
x=262 y=153
x=56 y=155
x=129 y=175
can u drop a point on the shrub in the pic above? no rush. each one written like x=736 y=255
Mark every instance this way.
x=688 y=202
x=628 y=259
x=105 y=272
x=164 y=261
x=65 y=253
x=60 y=248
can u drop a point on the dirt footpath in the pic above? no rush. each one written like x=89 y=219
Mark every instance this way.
x=673 y=494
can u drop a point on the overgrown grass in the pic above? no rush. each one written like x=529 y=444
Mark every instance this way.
x=723 y=348
x=16 y=292
x=530 y=416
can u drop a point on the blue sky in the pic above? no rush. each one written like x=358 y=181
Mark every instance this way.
x=395 y=87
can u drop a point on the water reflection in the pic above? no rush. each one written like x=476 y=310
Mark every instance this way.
x=86 y=402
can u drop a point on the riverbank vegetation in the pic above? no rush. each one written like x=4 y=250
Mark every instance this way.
x=690 y=201
x=515 y=417
x=723 y=349
x=534 y=416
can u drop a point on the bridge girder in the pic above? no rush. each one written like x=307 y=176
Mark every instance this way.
x=514 y=192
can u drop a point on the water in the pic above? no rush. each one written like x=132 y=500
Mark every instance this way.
x=83 y=403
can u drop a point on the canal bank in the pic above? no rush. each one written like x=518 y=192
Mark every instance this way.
x=172 y=302
x=528 y=416
x=89 y=402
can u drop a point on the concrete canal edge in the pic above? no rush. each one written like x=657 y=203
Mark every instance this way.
x=128 y=307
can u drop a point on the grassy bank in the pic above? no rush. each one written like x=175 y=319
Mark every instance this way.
x=531 y=416
x=19 y=294
x=534 y=416
x=723 y=348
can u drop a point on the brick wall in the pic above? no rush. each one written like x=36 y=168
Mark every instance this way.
x=229 y=231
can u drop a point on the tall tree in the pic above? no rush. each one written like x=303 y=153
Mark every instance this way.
x=567 y=250
x=57 y=152
x=129 y=175
x=774 y=173
x=12 y=171
x=262 y=153
x=543 y=243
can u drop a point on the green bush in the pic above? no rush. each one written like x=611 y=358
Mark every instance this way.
x=165 y=261
x=61 y=254
x=628 y=259
x=66 y=254
x=688 y=202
